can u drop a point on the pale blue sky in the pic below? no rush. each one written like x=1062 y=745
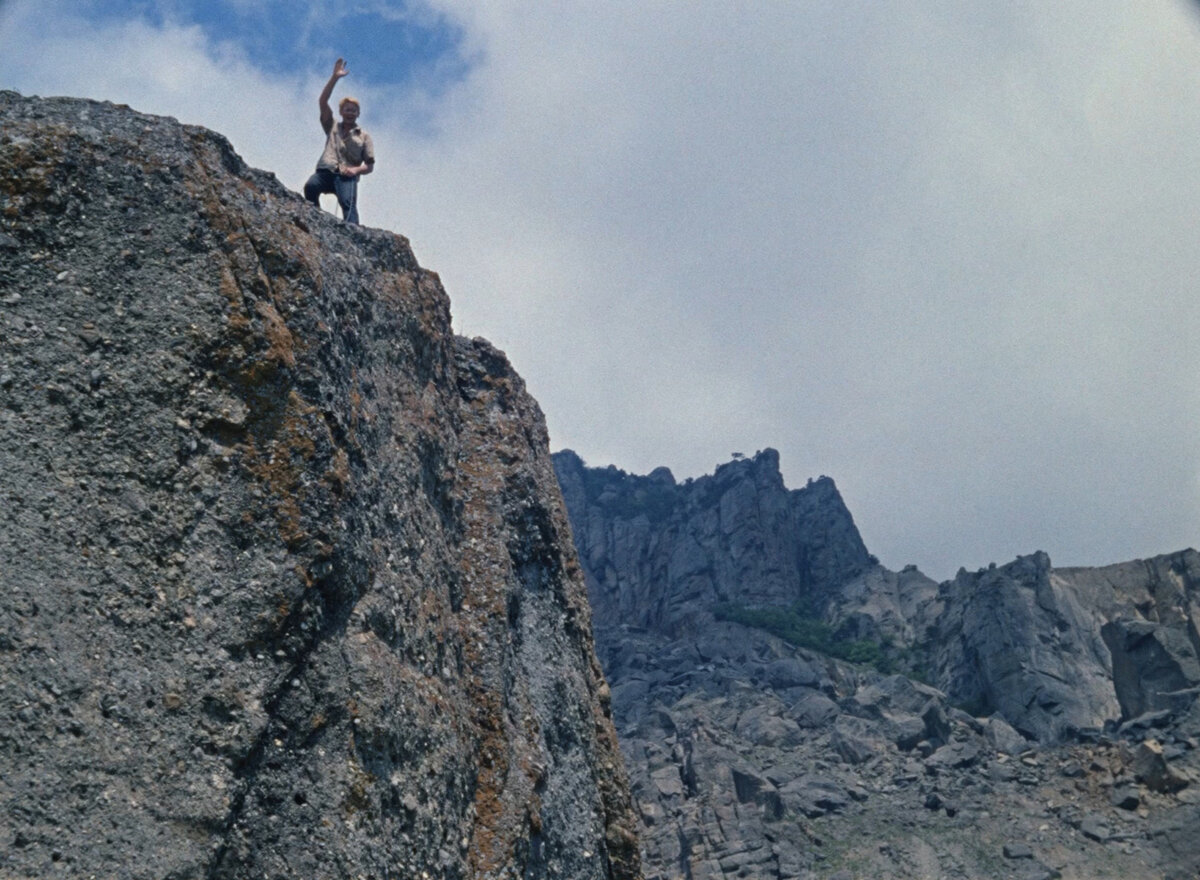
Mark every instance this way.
x=396 y=42
x=944 y=253
x=393 y=44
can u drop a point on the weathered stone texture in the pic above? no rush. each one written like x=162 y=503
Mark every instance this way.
x=286 y=585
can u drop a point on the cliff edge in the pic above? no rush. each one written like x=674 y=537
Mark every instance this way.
x=286 y=584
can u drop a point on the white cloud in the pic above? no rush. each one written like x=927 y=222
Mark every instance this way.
x=943 y=254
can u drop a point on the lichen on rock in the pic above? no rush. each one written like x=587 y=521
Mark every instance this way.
x=287 y=585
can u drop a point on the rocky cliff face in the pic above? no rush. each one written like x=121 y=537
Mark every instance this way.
x=1047 y=725
x=286 y=588
x=659 y=554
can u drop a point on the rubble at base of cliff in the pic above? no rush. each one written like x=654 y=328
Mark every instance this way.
x=750 y=757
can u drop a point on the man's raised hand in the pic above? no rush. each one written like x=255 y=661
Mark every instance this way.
x=339 y=69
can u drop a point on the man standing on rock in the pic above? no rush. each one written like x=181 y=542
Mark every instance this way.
x=348 y=154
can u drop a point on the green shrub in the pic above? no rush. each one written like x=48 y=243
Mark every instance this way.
x=799 y=625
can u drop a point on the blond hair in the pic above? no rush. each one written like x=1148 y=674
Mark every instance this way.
x=348 y=100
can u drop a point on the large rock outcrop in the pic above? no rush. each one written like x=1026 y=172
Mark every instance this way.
x=286 y=586
x=1055 y=651
x=1017 y=641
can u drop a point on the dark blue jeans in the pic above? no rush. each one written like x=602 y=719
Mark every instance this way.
x=345 y=188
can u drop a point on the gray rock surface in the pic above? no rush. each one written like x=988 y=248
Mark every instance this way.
x=659 y=554
x=751 y=757
x=286 y=585
x=1155 y=666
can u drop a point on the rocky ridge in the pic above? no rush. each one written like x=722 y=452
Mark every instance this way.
x=286 y=585
x=1045 y=724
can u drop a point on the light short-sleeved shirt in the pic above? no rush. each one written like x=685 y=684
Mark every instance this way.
x=354 y=148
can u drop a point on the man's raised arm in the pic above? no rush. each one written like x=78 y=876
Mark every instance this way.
x=339 y=70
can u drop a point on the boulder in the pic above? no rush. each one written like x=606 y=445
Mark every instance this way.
x=1094 y=827
x=908 y=712
x=815 y=795
x=761 y=726
x=790 y=672
x=1125 y=797
x=895 y=694
x=1022 y=641
x=752 y=787
x=668 y=782
x=855 y=742
x=1150 y=768
x=813 y=709
x=1003 y=737
x=953 y=756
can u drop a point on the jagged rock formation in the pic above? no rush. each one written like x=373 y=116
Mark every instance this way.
x=658 y=554
x=286 y=588
x=1030 y=753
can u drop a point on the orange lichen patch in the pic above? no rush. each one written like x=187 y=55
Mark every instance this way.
x=305 y=575
x=358 y=791
x=337 y=477
x=430 y=605
x=27 y=166
x=491 y=843
x=491 y=846
x=287 y=256
x=268 y=263
x=268 y=253
x=262 y=346
x=280 y=344
x=505 y=801
x=239 y=321
x=397 y=290
x=281 y=461
x=239 y=250
x=23 y=178
x=488 y=468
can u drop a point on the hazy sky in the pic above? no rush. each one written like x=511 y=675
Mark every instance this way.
x=946 y=253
